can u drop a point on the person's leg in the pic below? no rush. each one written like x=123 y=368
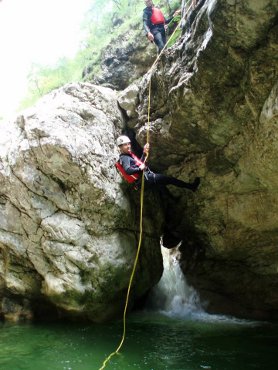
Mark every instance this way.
x=159 y=39
x=163 y=35
x=160 y=179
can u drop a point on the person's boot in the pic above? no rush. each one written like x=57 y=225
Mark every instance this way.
x=193 y=186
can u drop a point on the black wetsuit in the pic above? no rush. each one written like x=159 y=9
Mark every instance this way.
x=157 y=30
x=152 y=178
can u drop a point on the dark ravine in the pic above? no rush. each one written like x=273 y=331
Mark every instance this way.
x=69 y=238
x=214 y=114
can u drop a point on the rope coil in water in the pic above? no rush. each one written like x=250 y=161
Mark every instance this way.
x=141 y=204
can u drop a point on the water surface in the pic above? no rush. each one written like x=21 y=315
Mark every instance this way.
x=153 y=341
x=174 y=334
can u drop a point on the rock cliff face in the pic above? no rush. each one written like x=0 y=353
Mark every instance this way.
x=123 y=62
x=68 y=227
x=214 y=113
x=68 y=230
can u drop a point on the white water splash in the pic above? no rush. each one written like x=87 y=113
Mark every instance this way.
x=172 y=296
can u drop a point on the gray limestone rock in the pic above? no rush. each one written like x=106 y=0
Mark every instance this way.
x=124 y=61
x=68 y=230
x=128 y=99
x=214 y=114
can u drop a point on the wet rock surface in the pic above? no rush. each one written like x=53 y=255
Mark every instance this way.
x=214 y=114
x=68 y=229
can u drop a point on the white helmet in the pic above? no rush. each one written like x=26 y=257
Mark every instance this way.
x=123 y=140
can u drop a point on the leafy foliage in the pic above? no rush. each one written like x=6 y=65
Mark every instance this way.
x=103 y=22
x=172 y=29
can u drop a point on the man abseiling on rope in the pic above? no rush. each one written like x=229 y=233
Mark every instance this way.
x=131 y=167
x=154 y=24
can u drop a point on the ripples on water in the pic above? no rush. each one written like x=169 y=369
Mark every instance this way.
x=176 y=334
x=153 y=341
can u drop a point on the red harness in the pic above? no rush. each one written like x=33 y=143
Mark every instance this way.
x=129 y=178
x=157 y=16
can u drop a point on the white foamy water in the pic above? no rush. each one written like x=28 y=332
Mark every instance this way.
x=173 y=297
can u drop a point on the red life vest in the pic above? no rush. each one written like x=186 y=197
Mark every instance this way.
x=129 y=178
x=157 y=16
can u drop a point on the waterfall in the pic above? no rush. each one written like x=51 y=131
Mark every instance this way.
x=172 y=296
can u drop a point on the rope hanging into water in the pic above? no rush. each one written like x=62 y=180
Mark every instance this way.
x=105 y=362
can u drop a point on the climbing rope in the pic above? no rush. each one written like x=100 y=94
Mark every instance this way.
x=131 y=276
x=105 y=362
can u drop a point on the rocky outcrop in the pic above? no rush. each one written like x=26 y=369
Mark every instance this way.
x=68 y=228
x=129 y=55
x=214 y=114
x=124 y=61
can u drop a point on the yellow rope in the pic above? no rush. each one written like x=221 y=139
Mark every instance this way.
x=132 y=274
x=141 y=208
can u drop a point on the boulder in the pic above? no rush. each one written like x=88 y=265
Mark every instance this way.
x=128 y=100
x=68 y=225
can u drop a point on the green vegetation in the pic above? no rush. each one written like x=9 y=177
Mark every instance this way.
x=43 y=79
x=172 y=28
x=103 y=23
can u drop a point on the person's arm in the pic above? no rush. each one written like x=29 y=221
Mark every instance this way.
x=128 y=164
x=146 y=21
x=168 y=20
x=177 y=12
x=144 y=155
x=146 y=150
